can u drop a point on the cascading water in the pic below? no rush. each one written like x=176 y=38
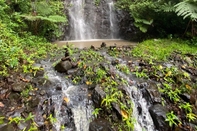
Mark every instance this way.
x=90 y=21
x=143 y=119
x=112 y=18
x=78 y=109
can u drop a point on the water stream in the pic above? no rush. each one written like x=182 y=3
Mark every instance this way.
x=90 y=25
x=76 y=101
x=143 y=118
x=74 y=98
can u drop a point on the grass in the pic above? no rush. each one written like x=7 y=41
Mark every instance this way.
x=161 y=49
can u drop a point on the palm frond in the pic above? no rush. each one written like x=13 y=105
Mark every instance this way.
x=187 y=9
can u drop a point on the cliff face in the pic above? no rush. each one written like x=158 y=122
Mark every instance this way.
x=88 y=20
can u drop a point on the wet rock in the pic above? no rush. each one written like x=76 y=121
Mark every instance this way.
x=63 y=66
x=10 y=80
x=72 y=71
x=66 y=53
x=7 y=127
x=150 y=92
x=19 y=87
x=158 y=114
x=34 y=102
x=58 y=88
x=98 y=95
x=188 y=60
x=42 y=92
x=185 y=97
x=66 y=58
x=100 y=125
x=22 y=125
x=92 y=47
x=115 y=62
x=103 y=45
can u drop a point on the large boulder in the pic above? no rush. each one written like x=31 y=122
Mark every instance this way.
x=63 y=66
x=158 y=114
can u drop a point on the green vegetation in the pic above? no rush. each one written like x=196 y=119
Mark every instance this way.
x=19 y=119
x=161 y=49
x=172 y=119
x=181 y=13
x=25 y=28
x=97 y=2
x=19 y=48
x=173 y=80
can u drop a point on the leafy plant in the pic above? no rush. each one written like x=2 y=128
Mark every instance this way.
x=186 y=106
x=96 y=112
x=191 y=116
x=108 y=100
x=2 y=120
x=187 y=8
x=97 y=2
x=172 y=119
x=100 y=74
x=51 y=118
x=141 y=74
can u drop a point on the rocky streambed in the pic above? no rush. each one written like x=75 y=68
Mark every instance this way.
x=100 y=89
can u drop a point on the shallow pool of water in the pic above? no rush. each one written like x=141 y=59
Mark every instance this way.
x=95 y=42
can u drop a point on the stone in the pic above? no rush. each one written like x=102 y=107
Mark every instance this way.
x=72 y=71
x=98 y=95
x=185 y=97
x=100 y=125
x=7 y=127
x=63 y=66
x=42 y=92
x=66 y=58
x=158 y=114
x=188 y=60
x=103 y=45
x=19 y=87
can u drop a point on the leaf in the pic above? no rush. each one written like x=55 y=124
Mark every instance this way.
x=188 y=87
x=66 y=99
x=88 y=82
x=186 y=9
x=1 y=104
x=168 y=74
x=124 y=114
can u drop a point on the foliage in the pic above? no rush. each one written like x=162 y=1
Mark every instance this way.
x=97 y=2
x=41 y=18
x=157 y=17
x=172 y=119
x=160 y=50
x=187 y=8
x=96 y=112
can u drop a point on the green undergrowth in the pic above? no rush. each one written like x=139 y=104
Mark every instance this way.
x=174 y=81
x=161 y=49
x=19 y=53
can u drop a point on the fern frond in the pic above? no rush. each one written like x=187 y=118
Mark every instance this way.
x=51 y=18
x=187 y=9
x=168 y=7
x=43 y=8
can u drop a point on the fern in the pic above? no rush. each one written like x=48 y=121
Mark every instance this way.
x=187 y=9
x=51 y=18
x=43 y=8
x=167 y=7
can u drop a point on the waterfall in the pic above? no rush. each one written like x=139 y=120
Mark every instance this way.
x=90 y=21
x=77 y=20
x=143 y=120
x=112 y=18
